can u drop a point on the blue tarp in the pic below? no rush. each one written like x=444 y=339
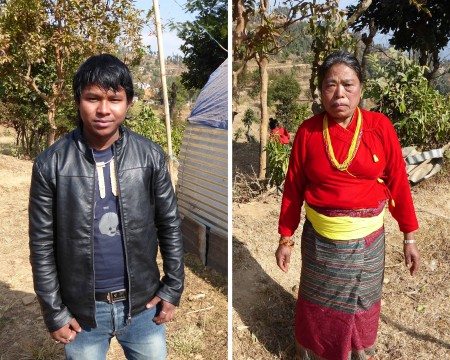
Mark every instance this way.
x=211 y=107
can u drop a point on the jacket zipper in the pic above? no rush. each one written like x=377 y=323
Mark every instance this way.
x=92 y=233
x=119 y=195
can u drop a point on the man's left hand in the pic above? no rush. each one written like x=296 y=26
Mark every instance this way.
x=166 y=313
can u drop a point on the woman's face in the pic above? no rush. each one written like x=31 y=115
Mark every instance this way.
x=341 y=92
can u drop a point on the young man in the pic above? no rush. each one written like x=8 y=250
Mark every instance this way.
x=101 y=202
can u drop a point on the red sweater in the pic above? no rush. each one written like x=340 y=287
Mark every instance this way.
x=282 y=134
x=312 y=178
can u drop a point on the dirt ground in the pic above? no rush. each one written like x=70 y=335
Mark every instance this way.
x=415 y=320
x=198 y=332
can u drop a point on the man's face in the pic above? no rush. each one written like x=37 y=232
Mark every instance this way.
x=102 y=111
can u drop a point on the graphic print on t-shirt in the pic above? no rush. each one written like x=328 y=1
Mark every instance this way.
x=109 y=224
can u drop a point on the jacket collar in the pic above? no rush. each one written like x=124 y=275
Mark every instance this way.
x=84 y=148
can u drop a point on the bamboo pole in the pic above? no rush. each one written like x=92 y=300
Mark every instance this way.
x=164 y=87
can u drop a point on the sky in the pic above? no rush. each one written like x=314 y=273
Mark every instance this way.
x=170 y=10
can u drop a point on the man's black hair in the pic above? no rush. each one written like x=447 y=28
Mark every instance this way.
x=339 y=57
x=107 y=72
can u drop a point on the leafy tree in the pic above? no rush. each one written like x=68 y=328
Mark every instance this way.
x=45 y=40
x=178 y=95
x=301 y=113
x=149 y=125
x=264 y=40
x=420 y=114
x=284 y=91
x=300 y=47
x=24 y=117
x=205 y=40
x=284 y=88
x=417 y=25
x=248 y=120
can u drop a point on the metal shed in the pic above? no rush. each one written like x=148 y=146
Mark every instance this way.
x=202 y=186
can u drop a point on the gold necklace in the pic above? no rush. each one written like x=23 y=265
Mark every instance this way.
x=353 y=146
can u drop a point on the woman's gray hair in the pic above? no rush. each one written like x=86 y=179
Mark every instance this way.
x=339 y=57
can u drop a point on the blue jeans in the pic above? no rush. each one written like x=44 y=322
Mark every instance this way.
x=141 y=339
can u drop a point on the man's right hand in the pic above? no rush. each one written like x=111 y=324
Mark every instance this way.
x=67 y=333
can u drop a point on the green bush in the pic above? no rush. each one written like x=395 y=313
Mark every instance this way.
x=284 y=91
x=421 y=115
x=238 y=134
x=248 y=119
x=277 y=161
x=147 y=124
x=301 y=113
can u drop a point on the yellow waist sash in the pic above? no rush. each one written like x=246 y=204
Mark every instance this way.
x=343 y=227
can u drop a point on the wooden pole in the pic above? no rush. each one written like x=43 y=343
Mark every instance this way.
x=164 y=86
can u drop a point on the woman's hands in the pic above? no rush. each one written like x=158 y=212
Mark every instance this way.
x=412 y=258
x=283 y=255
x=411 y=252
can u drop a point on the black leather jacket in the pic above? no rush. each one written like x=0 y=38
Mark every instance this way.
x=61 y=214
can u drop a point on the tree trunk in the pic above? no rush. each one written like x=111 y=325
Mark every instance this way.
x=315 y=91
x=240 y=17
x=367 y=39
x=173 y=100
x=433 y=64
x=51 y=120
x=263 y=62
x=235 y=77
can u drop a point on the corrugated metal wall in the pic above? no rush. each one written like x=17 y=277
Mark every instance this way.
x=202 y=187
x=202 y=192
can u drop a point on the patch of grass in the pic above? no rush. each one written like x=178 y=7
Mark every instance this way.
x=209 y=275
x=8 y=149
x=47 y=350
x=187 y=341
x=7 y=142
x=4 y=321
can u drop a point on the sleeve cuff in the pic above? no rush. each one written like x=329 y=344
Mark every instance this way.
x=174 y=300
x=57 y=322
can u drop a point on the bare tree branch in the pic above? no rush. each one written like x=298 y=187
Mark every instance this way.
x=363 y=6
x=31 y=82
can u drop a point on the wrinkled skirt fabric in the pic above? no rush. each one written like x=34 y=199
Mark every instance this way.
x=338 y=308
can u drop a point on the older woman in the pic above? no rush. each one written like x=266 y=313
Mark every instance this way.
x=346 y=165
